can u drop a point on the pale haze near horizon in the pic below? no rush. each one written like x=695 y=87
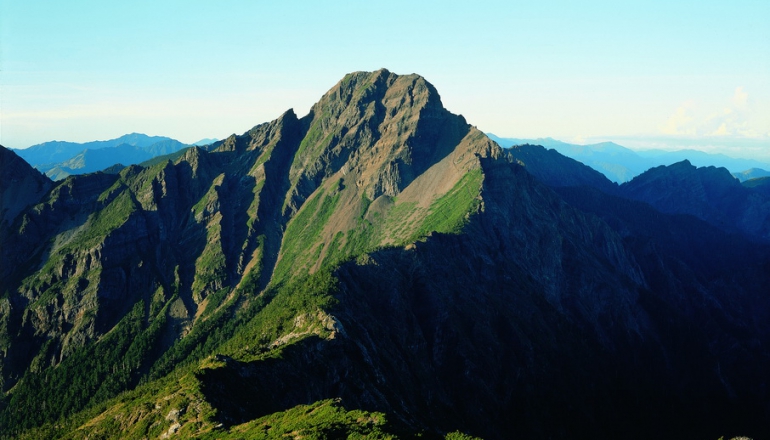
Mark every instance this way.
x=649 y=73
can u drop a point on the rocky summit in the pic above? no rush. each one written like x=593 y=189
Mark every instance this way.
x=376 y=268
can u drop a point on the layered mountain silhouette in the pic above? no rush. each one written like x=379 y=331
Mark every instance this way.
x=621 y=164
x=60 y=159
x=751 y=173
x=204 y=142
x=709 y=193
x=618 y=163
x=377 y=267
x=703 y=159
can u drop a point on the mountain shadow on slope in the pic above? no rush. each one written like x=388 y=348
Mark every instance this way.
x=709 y=193
x=556 y=170
x=21 y=186
x=456 y=290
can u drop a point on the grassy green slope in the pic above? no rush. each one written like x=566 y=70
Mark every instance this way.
x=246 y=328
x=202 y=298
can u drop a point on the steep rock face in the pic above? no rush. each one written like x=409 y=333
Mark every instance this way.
x=377 y=145
x=180 y=236
x=22 y=186
x=383 y=128
x=709 y=193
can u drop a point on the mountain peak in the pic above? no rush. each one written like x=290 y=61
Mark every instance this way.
x=684 y=169
x=683 y=164
x=388 y=241
x=387 y=128
x=367 y=86
x=709 y=193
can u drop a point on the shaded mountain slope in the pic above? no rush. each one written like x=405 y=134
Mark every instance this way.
x=380 y=253
x=761 y=184
x=618 y=163
x=557 y=170
x=709 y=193
x=703 y=159
x=20 y=185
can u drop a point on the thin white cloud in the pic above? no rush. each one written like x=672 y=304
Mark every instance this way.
x=732 y=120
x=680 y=122
x=722 y=130
x=579 y=139
x=740 y=98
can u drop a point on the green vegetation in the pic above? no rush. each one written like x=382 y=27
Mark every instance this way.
x=204 y=338
x=173 y=157
x=272 y=314
x=126 y=307
x=449 y=213
x=90 y=375
x=460 y=436
x=114 y=208
x=121 y=360
x=405 y=222
x=107 y=220
x=326 y=419
x=239 y=323
x=313 y=144
x=210 y=266
x=304 y=231
x=401 y=223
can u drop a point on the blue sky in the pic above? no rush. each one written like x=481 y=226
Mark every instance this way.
x=576 y=71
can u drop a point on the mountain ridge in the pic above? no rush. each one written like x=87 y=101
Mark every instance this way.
x=382 y=253
x=22 y=185
x=709 y=193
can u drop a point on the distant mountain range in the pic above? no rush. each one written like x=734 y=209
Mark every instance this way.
x=751 y=173
x=204 y=142
x=621 y=164
x=59 y=159
x=709 y=193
